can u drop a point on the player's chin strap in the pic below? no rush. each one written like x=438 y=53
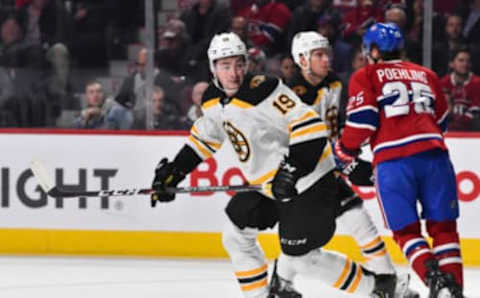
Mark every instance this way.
x=219 y=86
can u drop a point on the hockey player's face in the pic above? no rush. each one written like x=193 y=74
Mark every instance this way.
x=320 y=62
x=230 y=72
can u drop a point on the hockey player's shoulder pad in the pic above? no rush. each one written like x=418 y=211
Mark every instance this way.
x=211 y=95
x=332 y=80
x=299 y=85
x=257 y=88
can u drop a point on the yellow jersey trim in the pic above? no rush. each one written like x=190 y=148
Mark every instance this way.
x=240 y=103
x=210 y=103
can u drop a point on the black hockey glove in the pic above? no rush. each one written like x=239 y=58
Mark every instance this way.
x=166 y=175
x=283 y=184
x=359 y=172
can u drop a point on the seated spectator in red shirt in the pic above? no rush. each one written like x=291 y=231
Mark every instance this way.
x=462 y=89
x=360 y=19
x=267 y=24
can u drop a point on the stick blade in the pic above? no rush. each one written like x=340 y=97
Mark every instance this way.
x=41 y=173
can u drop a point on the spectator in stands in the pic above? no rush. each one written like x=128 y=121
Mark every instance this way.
x=256 y=61
x=328 y=26
x=21 y=3
x=203 y=21
x=267 y=24
x=443 y=49
x=195 y=111
x=239 y=27
x=10 y=59
x=26 y=100
x=292 y=4
x=288 y=68
x=305 y=17
x=174 y=42
x=47 y=29
x=358 y=62
x=89 y=45
x=396 y=14
x=165 y=116
x=184 y=5
x=344 y=6
x=462 y=89
x=10 y=43
x=357 y=21
x=132 y=93
x=238 y=5
x=471 y=30
x=412 y=49
x=101 y=113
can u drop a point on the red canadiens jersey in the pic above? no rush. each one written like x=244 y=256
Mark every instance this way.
x=464 y=99
x=399 y=107
x=266 y=24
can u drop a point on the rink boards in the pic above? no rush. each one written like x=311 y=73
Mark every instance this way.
x=32 y=223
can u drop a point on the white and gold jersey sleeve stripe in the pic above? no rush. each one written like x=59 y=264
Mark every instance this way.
x=206 y=137
x=309 y=115
x=213 y=145
x=309 y=132
x=199 y=147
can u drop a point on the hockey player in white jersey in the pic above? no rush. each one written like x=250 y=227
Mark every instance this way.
x=320 y=88
x=280 y=143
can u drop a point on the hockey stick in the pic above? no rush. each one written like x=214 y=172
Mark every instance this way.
x=49 y=187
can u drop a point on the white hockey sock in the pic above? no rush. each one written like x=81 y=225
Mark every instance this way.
x=334 y=269
x=247 y=259
x=285 y=267
x=360 y=226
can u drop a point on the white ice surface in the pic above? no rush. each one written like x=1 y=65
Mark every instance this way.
x=55 y=277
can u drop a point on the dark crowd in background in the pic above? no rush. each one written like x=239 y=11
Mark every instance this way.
x=81 y=63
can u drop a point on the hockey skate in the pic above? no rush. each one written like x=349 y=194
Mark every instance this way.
x=385 y=285
x=280 y=288
x=441 y=285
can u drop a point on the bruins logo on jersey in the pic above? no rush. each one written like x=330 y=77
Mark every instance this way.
x=299 y=90
x=238 y=140
x=256 y=81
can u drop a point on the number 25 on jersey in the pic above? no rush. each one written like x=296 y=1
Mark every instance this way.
x=397 y=99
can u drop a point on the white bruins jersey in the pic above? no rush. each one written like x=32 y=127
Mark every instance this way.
x=261 y=121
x=323 y=98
